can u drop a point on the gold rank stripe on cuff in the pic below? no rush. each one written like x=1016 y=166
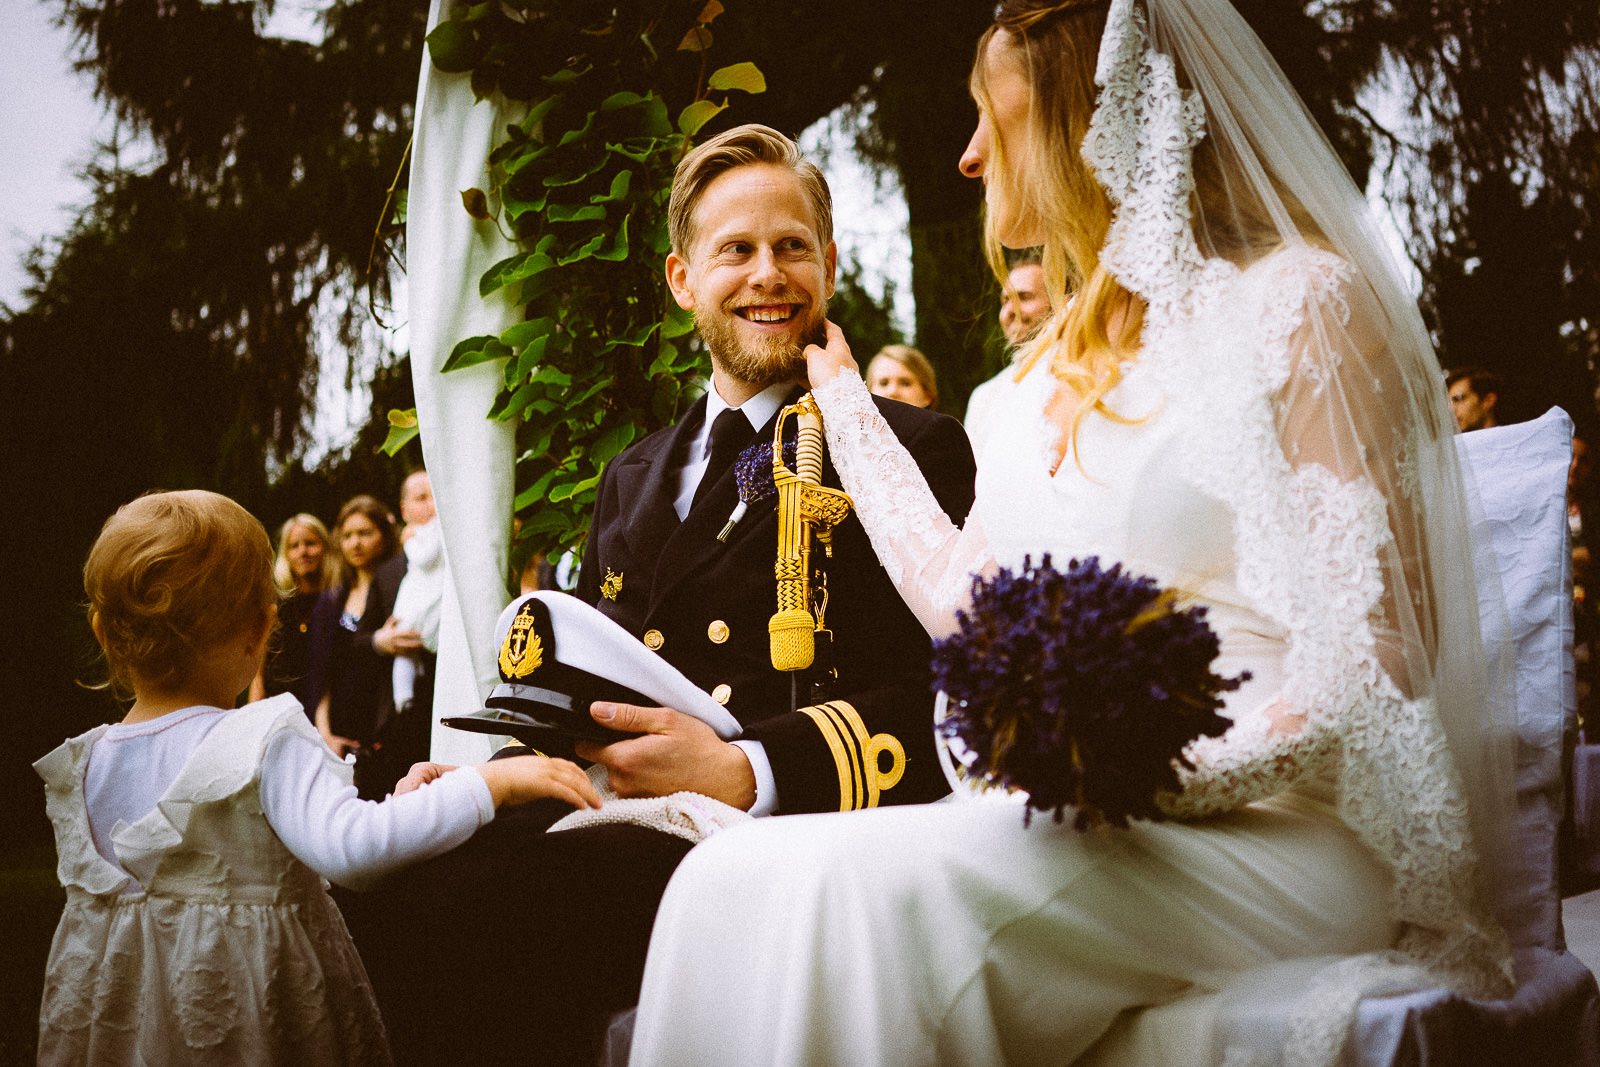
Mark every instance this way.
x=862 y=780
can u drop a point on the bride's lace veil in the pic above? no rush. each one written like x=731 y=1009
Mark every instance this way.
x=1209 y=159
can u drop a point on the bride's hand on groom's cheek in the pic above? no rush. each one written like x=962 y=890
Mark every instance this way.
x=825 y=361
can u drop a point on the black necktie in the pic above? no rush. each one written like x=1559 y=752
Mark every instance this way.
x=729 y=434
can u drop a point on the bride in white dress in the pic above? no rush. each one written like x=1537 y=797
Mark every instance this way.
x=1242 y=403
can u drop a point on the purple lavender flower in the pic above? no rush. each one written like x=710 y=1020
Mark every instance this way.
x=753 y=470
x=1081 y=687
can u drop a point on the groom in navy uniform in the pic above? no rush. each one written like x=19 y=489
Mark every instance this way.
x=753 y=259
x=521 y=943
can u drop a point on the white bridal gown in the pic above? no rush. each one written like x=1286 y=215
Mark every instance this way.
x=952 y=934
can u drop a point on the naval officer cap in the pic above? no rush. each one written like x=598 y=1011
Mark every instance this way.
x=557 y=655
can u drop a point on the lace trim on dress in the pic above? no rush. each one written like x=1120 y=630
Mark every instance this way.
x=928 y=559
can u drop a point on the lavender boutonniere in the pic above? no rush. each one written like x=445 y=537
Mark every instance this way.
x=1080 y=687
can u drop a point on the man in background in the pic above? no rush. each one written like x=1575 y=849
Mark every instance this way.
x=1474 y=392
x=1023 y=309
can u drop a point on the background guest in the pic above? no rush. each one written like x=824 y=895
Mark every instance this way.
x=411 y=635
x=349 y=677
x=304 y=568
x=1474 y=396
x=901 y=373
x=1024 y=305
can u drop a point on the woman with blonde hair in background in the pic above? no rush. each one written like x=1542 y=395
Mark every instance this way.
x=901 y=373
x=303 y=569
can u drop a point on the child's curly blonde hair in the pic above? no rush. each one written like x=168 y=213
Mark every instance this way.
x=172 y=576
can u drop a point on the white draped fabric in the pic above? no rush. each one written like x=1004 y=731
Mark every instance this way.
x=469 y=457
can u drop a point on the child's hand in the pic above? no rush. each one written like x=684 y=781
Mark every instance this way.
x=525 y=778
x=420 y=775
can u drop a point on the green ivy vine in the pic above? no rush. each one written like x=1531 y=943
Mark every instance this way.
x=602 y=356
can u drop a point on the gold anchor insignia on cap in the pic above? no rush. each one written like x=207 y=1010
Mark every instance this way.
x=522 y=652
x=653 y=640
x=722 y=693
x=718 y=632
x=612 y=585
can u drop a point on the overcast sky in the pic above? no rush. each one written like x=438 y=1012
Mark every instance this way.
x=48 y=123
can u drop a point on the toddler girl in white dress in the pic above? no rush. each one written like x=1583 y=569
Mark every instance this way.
x=193 y=840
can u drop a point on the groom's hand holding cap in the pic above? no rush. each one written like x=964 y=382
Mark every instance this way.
x=557 y=656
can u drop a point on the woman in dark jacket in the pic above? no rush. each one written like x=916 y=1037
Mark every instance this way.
x=349 y=677
x=306 y=566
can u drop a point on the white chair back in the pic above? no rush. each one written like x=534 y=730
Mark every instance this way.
x=1519 y=473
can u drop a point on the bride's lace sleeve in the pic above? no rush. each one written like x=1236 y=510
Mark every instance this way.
x=1319 y=464
x=930 y=561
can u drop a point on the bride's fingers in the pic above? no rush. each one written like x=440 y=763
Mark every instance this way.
x=824 y=362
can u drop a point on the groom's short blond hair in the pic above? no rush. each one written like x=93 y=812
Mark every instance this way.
x=739 y=147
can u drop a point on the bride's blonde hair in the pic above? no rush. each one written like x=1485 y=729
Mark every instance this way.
x=1055 y=48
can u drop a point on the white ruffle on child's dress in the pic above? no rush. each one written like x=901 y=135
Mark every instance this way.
x=232 y=952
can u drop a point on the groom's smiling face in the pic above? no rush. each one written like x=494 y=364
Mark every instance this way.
x=755 y=274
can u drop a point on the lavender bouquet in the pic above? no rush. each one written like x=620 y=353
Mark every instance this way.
x=1080 y=687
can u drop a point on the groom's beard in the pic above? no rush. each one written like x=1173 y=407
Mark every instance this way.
x=762 y=360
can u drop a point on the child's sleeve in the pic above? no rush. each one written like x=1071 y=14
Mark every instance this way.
x=353 y=842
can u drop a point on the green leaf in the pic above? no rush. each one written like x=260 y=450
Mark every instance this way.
x=553 y=376
x=525 y=332
x=619 y=188
x=678 y=321
x=575 y=213
x=402 y=428
x=514 y=405
x=585 y=251
x=484 y=81
x=535 y=492
x=619 y=247
x=455 y=47
x=546 y=520
x=610 y=443
x=572 y=136
x=638 y=149
x=696 y=115
x=538 y=112
x=655 y=120
x=746 y=77
x=475 y=350
x=563 y=492
x=516 y=207
x=618 y=101
x=565 y=76
x=636 y=337
x=594 y=167
x=513 y=269
x=531 y=356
